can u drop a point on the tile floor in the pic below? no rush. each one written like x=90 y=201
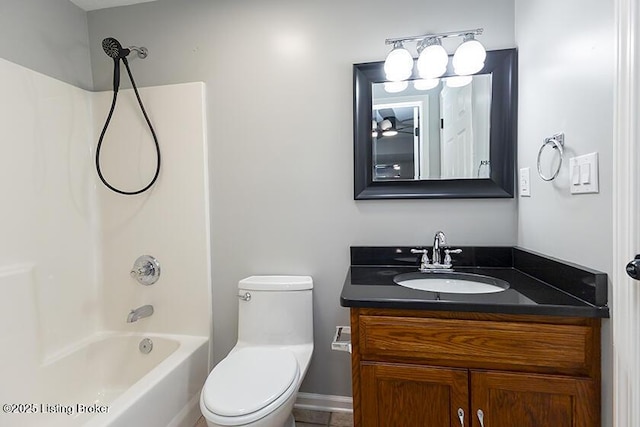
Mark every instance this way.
x=307 y=418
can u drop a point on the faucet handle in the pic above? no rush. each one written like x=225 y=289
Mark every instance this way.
x=146 y=270
x=424 y=261
x=447 y=255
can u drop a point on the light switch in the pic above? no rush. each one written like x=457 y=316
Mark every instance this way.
x=525 y=181
x=584 y=174
x=575 y=172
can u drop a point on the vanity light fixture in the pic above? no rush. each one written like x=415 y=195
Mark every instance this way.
x=433 y=59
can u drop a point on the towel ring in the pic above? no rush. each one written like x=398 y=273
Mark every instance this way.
x=557 y=143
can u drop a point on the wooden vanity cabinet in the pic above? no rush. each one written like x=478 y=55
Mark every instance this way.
x=438 y=369
x=411 y=395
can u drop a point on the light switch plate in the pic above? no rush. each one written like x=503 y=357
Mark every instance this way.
x=525 y=182
x=583 y=173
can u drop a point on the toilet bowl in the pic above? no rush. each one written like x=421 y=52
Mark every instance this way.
x=257 y=383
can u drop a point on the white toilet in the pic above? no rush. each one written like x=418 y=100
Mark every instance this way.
x=257 y=383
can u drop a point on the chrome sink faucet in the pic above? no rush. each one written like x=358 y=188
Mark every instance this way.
x=139 y=313
x=439 y=241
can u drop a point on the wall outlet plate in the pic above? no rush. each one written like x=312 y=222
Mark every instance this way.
x=525 y=182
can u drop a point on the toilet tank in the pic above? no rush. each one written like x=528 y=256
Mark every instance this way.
x=279 y=310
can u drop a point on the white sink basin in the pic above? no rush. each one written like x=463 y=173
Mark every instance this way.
x=451 y=282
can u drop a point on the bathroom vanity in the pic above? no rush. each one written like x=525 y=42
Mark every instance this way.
x=527 y=356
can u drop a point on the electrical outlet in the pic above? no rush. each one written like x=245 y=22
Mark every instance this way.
x=525 y=182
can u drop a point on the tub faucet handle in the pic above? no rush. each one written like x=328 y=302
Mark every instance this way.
x=146 y=270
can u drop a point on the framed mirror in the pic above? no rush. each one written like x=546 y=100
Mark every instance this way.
x=453 y=137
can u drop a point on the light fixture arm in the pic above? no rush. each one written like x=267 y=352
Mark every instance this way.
x=476 y=32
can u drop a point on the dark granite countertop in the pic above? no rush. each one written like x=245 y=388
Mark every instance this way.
x=538 y=284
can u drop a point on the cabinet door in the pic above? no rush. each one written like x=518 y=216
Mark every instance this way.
x=527 y=400
x=396 y=395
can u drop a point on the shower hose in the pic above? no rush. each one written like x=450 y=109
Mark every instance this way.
x=116 y=83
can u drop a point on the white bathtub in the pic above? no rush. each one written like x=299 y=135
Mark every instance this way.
x=108 y=381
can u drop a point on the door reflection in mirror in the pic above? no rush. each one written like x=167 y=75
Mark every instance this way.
x=397 y=141
x=440 y=132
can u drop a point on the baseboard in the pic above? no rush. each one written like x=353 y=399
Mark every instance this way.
x=324 y=402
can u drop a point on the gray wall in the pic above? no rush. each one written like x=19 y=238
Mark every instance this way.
x=567 y=84
x=48 y=36
x=279 y=84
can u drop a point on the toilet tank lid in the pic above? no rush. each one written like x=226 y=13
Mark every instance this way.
x=276 y=283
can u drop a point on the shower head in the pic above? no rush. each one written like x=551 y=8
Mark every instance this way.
x=114 y=49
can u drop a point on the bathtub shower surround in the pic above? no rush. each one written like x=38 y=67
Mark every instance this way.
x=170 y=221
x=68 y=246
x=48 y=217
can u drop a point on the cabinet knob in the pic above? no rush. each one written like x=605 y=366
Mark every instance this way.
x=480 y=417
x=461 y=416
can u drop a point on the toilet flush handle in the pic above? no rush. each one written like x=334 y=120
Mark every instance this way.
x=245 y=297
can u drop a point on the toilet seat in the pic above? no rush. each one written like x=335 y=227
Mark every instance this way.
x=249 y=383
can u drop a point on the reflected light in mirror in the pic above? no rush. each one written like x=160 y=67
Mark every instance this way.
x=395 y=87
x=425 y=84
x=388 y=127
x=458 y=81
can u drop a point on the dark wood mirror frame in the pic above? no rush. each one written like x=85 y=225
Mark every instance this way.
x=502 y=64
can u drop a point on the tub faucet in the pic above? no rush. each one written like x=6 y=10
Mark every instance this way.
x=139 y=313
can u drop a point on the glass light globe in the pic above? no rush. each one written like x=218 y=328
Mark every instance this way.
x=469 y=57
x=399 y=64
x=425 y=84
x=432 y=61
